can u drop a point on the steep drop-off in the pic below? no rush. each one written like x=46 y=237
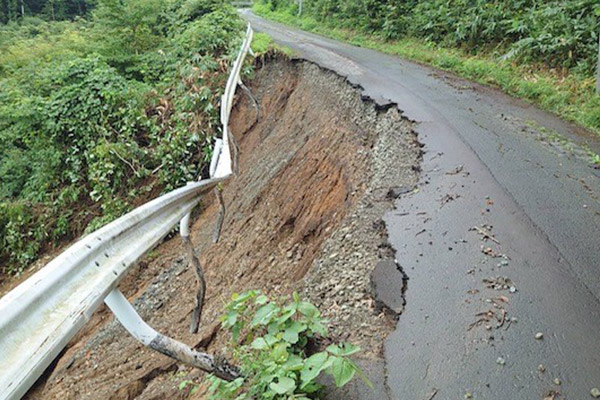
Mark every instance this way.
x=317 y=172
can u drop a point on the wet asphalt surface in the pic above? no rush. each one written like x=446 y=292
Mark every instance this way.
x=474 y=305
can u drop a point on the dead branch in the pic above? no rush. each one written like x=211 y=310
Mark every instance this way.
x=155 y=170
x=116 y=153
x=485 y=234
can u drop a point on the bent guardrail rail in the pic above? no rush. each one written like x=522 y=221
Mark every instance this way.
x=40 y=316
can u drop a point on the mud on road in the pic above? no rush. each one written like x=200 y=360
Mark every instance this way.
x=317 y=172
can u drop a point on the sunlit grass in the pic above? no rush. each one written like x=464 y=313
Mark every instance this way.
x=262 y=43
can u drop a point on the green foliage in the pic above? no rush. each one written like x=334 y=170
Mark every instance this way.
x=54 y=10
x=570 y=95
x=554 y=33
x=262 y=43
x=272 y=341
x=185 y=383
x=99 y=115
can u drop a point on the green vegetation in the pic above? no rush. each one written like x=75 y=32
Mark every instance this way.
x=271 y=342
x=544 y=52
x=263 y=43
x=102 y=113
x=55 y=10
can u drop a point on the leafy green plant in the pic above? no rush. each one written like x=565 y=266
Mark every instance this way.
x=99 y=115
x=276 y=346
x=194 y=387
x=563 y=84
x=595 y=159
x=553 y=33
x=262 y=43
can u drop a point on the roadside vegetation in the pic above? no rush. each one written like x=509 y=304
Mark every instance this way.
x=282 y=350
x=544 y=52
x=103 y=105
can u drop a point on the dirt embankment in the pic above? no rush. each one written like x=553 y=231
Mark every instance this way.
x=303 y=214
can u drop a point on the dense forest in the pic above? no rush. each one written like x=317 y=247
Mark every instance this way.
x=15 y=10
x=103 y=105
x=556 y=33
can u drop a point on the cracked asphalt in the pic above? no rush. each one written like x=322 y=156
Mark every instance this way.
x=474 y=303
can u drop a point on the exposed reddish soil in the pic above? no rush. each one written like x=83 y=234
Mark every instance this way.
x=307 y=200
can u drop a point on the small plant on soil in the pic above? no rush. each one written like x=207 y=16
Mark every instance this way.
x=281 y=350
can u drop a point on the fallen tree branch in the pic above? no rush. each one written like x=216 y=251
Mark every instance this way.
x=116 y=153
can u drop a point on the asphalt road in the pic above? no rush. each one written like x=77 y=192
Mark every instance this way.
x=513 y=171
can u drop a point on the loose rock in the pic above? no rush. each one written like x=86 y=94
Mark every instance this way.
x=541 y=368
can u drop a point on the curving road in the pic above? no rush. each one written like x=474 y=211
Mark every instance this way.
x=475 y=306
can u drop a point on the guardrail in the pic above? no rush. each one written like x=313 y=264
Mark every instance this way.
x=40 y=316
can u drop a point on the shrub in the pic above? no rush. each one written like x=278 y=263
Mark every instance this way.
x=97 y=115
x=277 y=348
x=555 y=33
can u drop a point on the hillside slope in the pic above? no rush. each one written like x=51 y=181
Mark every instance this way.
x=303 y=214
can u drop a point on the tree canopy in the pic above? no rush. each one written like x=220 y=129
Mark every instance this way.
x=54 y=10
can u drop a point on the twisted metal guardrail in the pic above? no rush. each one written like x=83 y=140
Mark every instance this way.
x=40 y=316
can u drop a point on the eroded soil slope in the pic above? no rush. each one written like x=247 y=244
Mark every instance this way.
x=303 y=214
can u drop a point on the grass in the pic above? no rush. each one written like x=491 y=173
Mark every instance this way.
x=570 y=96
x=262 y=43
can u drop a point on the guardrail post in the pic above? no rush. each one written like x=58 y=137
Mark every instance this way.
x=221 y=216
x=184 y=230
x=140 y=330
